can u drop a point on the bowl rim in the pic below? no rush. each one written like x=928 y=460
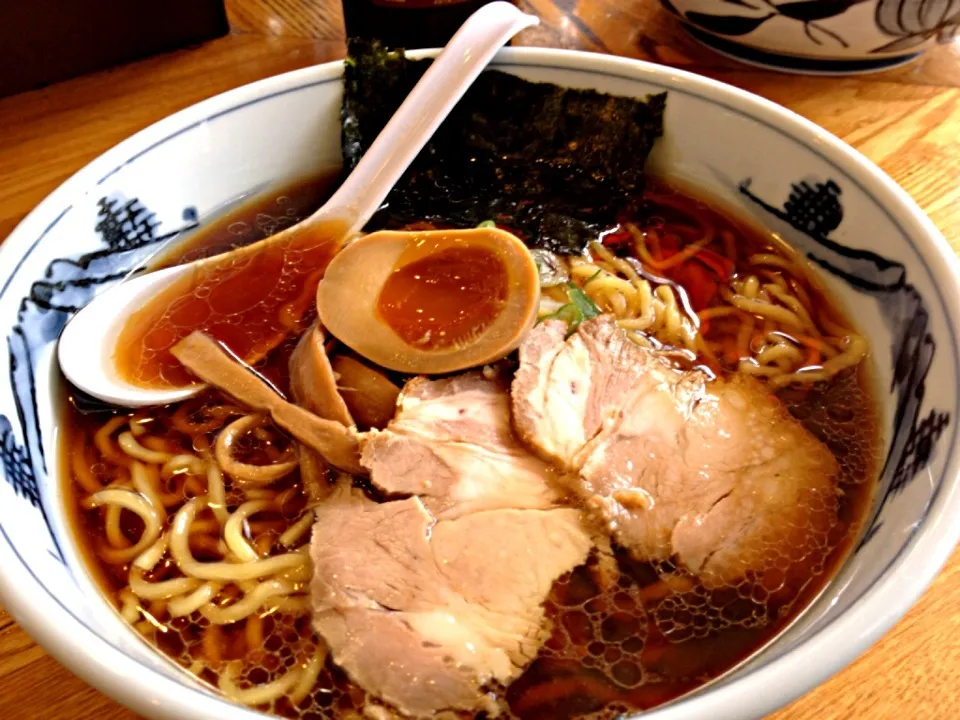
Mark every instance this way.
x=759 y=691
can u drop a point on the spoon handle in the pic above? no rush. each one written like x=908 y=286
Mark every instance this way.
x=417 y=119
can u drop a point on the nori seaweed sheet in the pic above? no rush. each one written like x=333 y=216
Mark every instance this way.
x=556 y=165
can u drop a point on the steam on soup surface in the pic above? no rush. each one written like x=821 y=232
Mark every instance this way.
x=197 y=518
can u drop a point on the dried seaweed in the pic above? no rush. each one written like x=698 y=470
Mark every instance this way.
x=557 y=165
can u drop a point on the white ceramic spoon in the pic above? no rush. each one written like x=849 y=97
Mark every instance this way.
x=88 y=342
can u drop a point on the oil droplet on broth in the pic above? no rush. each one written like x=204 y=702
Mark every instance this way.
x=249 y=301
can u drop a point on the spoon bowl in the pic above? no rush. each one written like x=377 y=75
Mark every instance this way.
x=88 y=347
x=86 y=354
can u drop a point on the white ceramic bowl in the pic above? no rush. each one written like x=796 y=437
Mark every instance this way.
x=742 y=149
x=820 y=36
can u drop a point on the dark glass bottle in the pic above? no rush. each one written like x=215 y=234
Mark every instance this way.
x=407 y=23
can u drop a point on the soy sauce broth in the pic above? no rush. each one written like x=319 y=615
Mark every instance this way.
x=619 y=642
x=249 y=303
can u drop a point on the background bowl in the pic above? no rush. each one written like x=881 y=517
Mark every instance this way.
x=820 y=36
x=876 y=251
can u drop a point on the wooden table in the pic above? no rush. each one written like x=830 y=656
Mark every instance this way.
x=906 y=120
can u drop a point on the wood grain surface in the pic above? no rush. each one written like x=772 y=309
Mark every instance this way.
x=906 y=120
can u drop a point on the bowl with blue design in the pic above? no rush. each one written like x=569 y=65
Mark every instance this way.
x=855 y=231
x=829 y=37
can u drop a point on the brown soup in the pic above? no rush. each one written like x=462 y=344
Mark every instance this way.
x=248 y=302
x=648 y=635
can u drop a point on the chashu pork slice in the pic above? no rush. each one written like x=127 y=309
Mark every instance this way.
x=452 y=444
x=715 y=475
x=426 y=599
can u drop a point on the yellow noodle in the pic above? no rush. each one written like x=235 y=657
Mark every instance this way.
x=134 y=502
x=111 y=527
x=855 y=351
x=750 y=287
x=636 y=305
x=751 y=368
x=163 y=590
x=774 y=277
x=82 y=474
x=791 y=302
x=217 y=498
x=772 y=353
x=648 y=309
x=293 y=534
x=224 y=571
x=142 y=484
x=619 y=294
x=298 y=576
x=558 y=294
x=828 y=350
x=580 y=269
x=640 y=245
x=148 y=559
x=294 y=605
x=767 y=311
x=311 y=672
x=129 y=605
x=615 y=264
x=153 y=476
x=258 y=694
x=188 y=604
x=636 y=325
x=128 y=443
x=246 y=606
x=247 y=585
x=159 y=444
x=233 y=529
x=183 y=463
x=103 y=442
x=257 y=474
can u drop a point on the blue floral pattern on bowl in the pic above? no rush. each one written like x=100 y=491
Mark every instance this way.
x=820 y=36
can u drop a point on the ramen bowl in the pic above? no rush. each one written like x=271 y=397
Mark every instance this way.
x=875 y=251
x=810 y=36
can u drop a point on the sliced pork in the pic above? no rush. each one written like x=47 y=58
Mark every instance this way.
x=452 y=444
x=424 y=600
x=715 y=475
